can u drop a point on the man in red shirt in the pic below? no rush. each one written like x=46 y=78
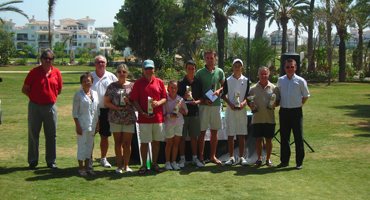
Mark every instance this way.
x=42 y=85
x=150 y=126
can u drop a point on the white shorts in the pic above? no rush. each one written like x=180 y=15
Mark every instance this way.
x=236 y=122
x=171 y=131
x=85 y=143
x=121 y=128
x=210 y=115
x=150 y=132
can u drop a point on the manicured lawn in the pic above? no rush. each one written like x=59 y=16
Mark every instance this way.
x=336 y=125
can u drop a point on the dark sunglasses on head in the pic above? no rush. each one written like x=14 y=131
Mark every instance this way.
x=291 y=67
x=47 y=58
x=121 y=72
x=148 y=68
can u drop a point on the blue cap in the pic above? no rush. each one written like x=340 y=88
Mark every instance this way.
x=148 y=63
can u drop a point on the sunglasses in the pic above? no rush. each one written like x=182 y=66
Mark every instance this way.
x=287 y=67
x=148 y=68
x=47 y=58
x=121 y=72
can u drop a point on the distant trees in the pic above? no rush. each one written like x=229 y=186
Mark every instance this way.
x=51 y=6
x=7 y=47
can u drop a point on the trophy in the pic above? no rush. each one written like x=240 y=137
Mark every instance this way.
x=150 y=108
x=176 y=109
x=237 y=100
x=272 y=100
x=190 y=98
x=122 y=102
x=251 y=98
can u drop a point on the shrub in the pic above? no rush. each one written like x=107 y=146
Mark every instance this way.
x=22 y=61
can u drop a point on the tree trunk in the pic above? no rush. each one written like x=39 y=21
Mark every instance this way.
x=296 y=38
x=360 y=48
x=311 y=63
x=284 y=22
x=328 y=41
x=342 y=55
x=261 y=20
x=221 y=23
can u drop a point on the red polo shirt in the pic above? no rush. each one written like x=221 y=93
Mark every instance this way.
x=44 y=89
x=140 y=92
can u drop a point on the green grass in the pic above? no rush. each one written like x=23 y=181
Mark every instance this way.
x=336 y=125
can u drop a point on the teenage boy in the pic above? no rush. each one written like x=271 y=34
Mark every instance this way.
x=150 y=125
x=236 y=87
x=191 y=126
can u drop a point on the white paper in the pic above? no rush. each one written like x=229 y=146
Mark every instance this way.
x=210 y=97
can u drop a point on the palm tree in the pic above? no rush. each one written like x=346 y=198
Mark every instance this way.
x=282 y=10
x=222 y=11
x=299 y=18
x=7 y=7
x=51 y=4
x=261 y=15
x=342 y=17
x=362 y=17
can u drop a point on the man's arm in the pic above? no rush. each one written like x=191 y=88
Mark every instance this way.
x=26 y=90
x=304 y=99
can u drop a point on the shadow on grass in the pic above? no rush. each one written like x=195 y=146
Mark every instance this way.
x=358 y=111
x=362 y=135
x=239 y=170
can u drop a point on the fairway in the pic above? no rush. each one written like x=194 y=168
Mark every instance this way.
x=336 y=125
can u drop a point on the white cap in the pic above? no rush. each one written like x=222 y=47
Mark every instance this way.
x=238 y=60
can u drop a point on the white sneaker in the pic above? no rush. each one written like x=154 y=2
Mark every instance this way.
x=167 y=166
x=91 y=163
x=231 y=161
x=128 y=170
x=174 y=166
x=105 y=163
x=182 y=163
x=197 y=163
x=119 y=171
x=243 y=161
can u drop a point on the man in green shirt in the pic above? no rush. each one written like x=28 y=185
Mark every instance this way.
x=213 y=79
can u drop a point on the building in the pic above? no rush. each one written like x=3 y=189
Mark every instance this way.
x=76 y=33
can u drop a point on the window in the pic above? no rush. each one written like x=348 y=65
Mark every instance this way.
x=101 y=44
x=45 y=27
x=32 y=28
x=64 y=28
x=79 y=36
x=40 y=27
x=56 y=35
x=32 y=36
x=85 y=36
x=74 y=44
x=6 y=27
x=10 y=27
x=79 y=44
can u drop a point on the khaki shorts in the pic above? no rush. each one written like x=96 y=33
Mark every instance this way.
x=150 y=132
x=210 y=115
x=120 y=128
x=191 y=126
x=171 y=131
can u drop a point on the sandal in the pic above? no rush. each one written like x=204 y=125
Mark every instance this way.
x=258 y=163
x=90 y=172
x=143 y=170
x=269 y=163
x=157 y=168
x=82 y=172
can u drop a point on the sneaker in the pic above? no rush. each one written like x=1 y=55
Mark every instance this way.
x=119 y=171
x=174 y=166
x=243 y=161
x=182 y=163
x=105 y=163
x=168 y=166
x=197 y=163
x=91 y=163
x=128 y=170
x=231 y=161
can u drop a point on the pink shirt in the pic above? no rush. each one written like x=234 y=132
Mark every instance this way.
x=168 y=109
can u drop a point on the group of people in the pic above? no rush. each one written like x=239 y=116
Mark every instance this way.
x=106 y=104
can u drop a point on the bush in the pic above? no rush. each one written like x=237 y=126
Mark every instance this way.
x=22 y=61
x=81 y=61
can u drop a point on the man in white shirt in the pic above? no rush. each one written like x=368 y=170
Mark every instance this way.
x=102 y=79
x=294 y=93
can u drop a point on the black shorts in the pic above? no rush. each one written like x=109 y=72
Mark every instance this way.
x=263 y=130
x=104 y=123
